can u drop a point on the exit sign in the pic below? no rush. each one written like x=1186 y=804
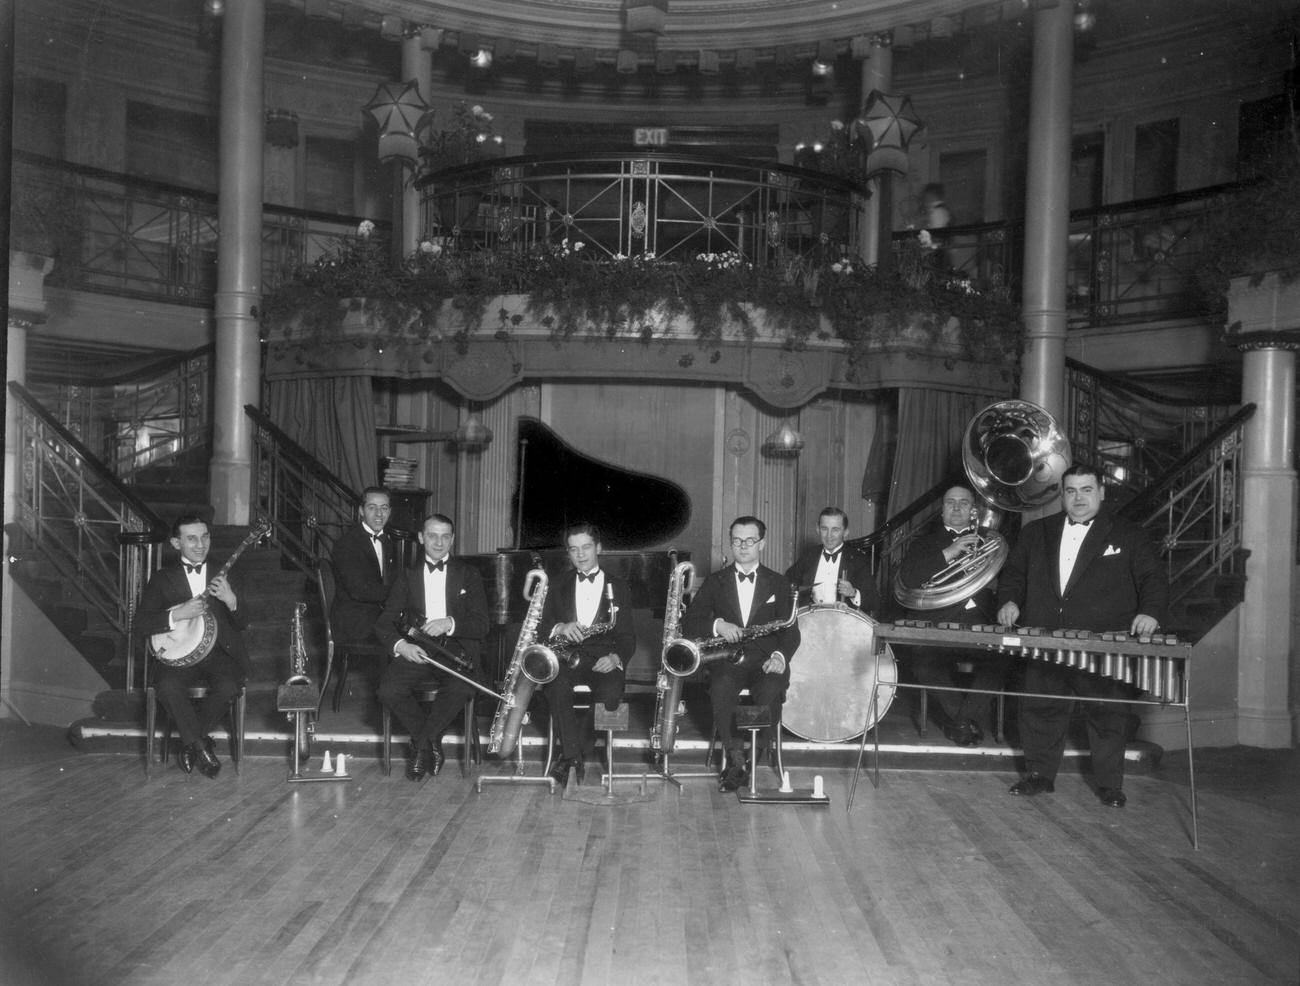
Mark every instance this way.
x=650 y=136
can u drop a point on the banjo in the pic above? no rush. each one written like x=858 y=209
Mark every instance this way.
x=190 y=641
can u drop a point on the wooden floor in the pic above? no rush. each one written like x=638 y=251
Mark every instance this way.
x=937 y=877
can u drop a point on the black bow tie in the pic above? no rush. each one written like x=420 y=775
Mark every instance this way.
x=1078 y=523
x=743 y=577
x=376 y=537
x=193 y=569
x=830 y=555
x=435 y=566
x=589 y=576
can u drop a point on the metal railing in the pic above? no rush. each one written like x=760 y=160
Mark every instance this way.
x=76 y=515
x=673 y=206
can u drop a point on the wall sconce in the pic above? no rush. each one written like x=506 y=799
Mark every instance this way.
x=785 y=442
x=823 y=65
x=472 y=434
x=400 y=111
x=888 y=123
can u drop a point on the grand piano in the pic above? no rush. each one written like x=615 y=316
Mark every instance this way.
x=633 y=511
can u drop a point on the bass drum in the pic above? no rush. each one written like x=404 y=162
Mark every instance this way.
x=832 y=674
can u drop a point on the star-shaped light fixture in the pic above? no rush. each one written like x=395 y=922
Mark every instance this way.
x=888 y=123
x=400 y=111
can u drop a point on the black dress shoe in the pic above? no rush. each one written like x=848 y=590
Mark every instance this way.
x=189 y=755
x=961 y=734
x=1112 y=797
x=435 y=758
x=977 y=734
x=1031 y=784
x=734 y=777
x=209 y=765
x=559 y=771
x=417 y=764
x=211 y=747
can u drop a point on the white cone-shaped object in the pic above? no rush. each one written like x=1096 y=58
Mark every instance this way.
x=819 y=789
x=340 y=765
x=785 y=782
x=326 y=767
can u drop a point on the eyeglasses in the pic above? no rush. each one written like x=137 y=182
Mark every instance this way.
x=744 y=542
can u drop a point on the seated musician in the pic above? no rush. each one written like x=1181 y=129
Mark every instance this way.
x=834 y=572
x=1083 y=569
x=365 y=567
x=181 y=591
x=952 y=535
x=744 y=595
x=444 y=597
x=579 y=600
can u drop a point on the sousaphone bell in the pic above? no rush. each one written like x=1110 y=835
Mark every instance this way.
x=1014 y=454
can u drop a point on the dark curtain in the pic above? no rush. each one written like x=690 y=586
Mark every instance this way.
x=931 y=424
x=333 y=418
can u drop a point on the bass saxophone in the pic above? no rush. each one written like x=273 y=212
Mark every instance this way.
x=668 y=687
x=683 y=657
x=517 y=690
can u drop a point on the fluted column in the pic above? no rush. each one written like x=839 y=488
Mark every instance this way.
x=1047 y=208
x=877 y=221
x=239 y=258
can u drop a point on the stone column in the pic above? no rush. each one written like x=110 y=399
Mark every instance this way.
x=1269 y=316
x=877 y=217
x=1047 y=209
x=239 y=259
x=417 y=65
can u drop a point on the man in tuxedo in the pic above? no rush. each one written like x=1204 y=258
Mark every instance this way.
x=444 y=597
x=1084 y=569
x=951 y=536
x=364 y=562
x=834 y=573
x=742 y=595
x=579 y=599
x=184 y=590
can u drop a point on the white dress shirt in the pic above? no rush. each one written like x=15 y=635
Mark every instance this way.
x=1071 y=540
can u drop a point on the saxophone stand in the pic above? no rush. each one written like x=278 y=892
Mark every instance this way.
x=300 y=699
x=756 y=718
x=518 y=777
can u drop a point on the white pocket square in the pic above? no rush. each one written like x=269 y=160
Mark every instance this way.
x=462 y=592
x=1110 y=550
x=770 y=599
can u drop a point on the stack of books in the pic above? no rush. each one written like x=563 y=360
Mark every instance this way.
x=397 y=473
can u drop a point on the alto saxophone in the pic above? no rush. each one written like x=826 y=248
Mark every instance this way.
x=683 y=657
x=518 y=687
x=541 y=662
x=668 y=687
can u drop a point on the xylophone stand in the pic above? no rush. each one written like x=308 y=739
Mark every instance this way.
x=867 y=727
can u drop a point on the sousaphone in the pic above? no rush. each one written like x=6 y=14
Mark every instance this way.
x=1014 y=454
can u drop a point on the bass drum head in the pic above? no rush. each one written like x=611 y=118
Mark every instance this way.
x=832 y=674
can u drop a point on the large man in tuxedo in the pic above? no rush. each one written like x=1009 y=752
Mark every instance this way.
x=579 y=599
x=744 y=594
x=365 y=568
x=1084 y=569
x=183 y=590
x=444 y=597
x=951 y=536
x=834 y=573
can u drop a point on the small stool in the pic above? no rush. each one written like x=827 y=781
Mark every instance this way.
x=196 y=692
x=472 y=750
x=608 y=721
x=751 y=718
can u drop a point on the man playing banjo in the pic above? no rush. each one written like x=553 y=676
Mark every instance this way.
x=183 y=591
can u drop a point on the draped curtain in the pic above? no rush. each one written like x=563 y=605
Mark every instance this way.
x=333 y=418
x=931 y=424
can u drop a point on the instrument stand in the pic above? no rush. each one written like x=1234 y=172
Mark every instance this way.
x=300 y=699
x=296 y=776
x=664 y=772
x=792 y=796
x=518 y=777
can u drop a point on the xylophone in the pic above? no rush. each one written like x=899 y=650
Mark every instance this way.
x=1155 y=664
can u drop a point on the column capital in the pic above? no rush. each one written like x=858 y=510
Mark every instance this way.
x=1287 y=340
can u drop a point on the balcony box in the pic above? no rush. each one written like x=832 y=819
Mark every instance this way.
x=1263 y=305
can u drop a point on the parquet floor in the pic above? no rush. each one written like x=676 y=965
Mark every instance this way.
x=937 y=877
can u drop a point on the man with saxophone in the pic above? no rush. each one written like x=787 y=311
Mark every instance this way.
x=732 y=604
x=182 y=591
x=950 y=538
x=444 y=598
x=588 y=615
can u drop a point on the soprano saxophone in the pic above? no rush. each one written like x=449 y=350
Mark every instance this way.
x=683 y=656
x=668 y=687
x=517 y=691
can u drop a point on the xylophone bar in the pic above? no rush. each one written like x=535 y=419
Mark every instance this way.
x=1155 y=664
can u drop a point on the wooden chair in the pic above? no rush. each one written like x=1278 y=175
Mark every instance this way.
x=344 y=650
x=238 y=708
x=472 y=750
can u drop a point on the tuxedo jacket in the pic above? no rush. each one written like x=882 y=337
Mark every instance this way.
x=360 y=590
x=854 y=566
x=717 y=598
x=466 y=604
x=561 y=606
x=169 y=587
x=924 y=559
x=1116 y=576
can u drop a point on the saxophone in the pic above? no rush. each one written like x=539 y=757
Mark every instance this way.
x=668 y=687
x=540 y=663
x=517 y=690
x=298 y=698
x=682 y=657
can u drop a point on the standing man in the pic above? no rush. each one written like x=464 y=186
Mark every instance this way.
x=744 y=594
x=834 y=573
x=364 y=562
x=952 y=536
x=580 y=599
x=1084 y=569
x=444 y=597
x=184 y=590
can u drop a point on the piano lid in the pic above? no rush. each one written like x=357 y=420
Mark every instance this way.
x=559 y=486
